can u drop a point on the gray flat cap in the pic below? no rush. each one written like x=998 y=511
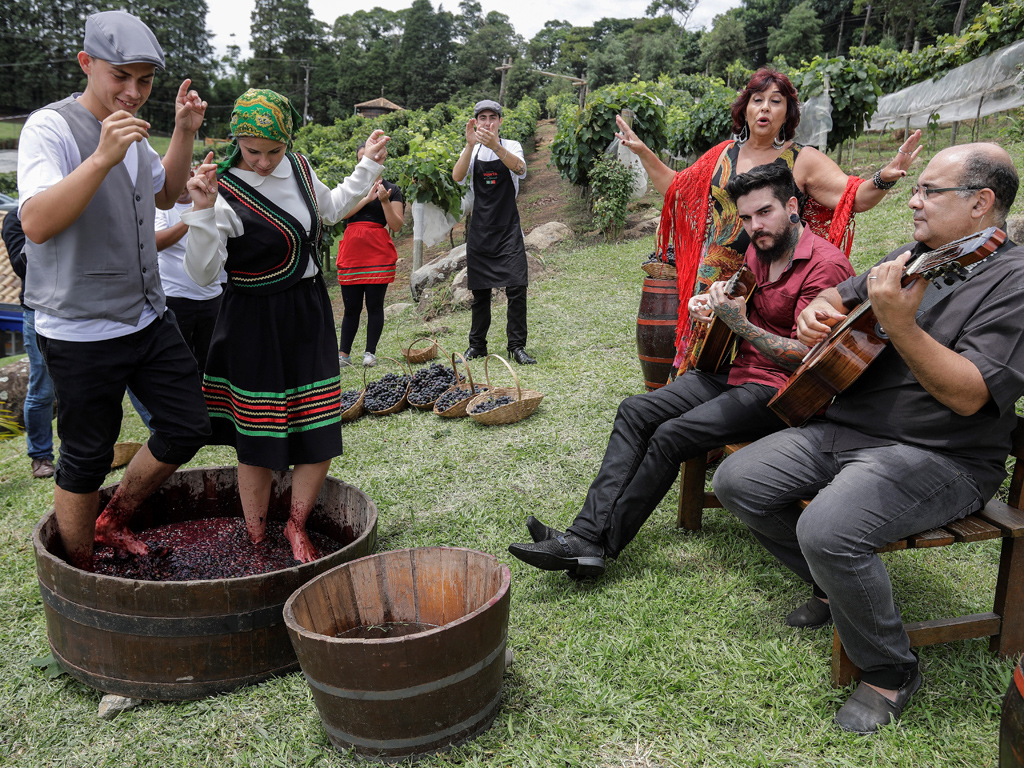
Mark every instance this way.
x=120 y=38
x=487 y=104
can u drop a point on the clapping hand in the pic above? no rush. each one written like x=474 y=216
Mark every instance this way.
x=376 y=146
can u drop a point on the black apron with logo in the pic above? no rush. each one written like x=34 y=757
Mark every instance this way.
x=495 y=252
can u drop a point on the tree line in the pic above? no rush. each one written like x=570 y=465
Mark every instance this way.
x=421 y=55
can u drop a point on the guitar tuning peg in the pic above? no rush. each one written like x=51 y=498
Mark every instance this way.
x=949 y=278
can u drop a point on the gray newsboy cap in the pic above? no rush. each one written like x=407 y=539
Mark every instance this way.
x=487 y=104
x=120 y=38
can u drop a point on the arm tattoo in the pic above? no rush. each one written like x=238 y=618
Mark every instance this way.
x=788 y=353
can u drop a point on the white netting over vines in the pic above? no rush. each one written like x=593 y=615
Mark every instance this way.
x=991 y=82
x=815 y=121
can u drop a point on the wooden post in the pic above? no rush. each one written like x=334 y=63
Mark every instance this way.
x=505 y=64
x=977 y=119
x=952 y=136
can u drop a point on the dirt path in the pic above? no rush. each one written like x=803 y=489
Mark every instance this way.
x=543 y=196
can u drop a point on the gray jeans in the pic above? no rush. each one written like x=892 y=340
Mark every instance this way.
x=862 y=499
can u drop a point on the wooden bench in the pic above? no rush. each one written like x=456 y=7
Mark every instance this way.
x=1004 y=625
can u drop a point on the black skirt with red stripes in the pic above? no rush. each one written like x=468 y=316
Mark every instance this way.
x=272 y=381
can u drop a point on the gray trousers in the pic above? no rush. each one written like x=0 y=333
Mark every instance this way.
x=862 y=499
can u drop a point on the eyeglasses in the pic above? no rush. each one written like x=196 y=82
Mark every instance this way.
x=925 y=191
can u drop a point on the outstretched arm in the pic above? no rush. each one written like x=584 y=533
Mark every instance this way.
x=660 y=173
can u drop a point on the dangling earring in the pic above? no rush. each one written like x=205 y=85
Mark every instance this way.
x=744 y=134
x=780 y=141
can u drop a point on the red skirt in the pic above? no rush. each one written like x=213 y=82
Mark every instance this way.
x=366 y=255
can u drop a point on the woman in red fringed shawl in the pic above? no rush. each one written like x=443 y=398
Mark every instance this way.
x=700 y=217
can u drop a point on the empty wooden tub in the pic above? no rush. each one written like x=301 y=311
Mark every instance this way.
x=178 y=640
x=384 y=692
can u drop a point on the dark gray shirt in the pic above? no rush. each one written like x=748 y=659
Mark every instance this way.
x=983 y=320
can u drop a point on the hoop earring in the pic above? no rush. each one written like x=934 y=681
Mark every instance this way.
x=743 y=135
x=780 y=141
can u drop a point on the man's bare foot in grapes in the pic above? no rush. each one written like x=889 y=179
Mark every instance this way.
x=302 y=548
x=110 y=534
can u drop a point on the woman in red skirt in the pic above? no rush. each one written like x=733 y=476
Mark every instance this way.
x=366 y=264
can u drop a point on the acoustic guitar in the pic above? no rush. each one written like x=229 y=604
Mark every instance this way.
x=837 y=361
x=718 y=342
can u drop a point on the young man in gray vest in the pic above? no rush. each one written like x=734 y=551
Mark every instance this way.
x=88 y=181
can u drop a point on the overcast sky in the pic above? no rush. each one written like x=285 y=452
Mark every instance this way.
x=527 y=16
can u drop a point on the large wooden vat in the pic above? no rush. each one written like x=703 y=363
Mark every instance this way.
x=179 y=640
x=1011 y=726
x=656 y=330
x=397 y=696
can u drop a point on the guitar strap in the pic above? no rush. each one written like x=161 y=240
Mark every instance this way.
x=938 y=290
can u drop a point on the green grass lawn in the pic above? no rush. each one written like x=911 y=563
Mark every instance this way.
x=678 y=656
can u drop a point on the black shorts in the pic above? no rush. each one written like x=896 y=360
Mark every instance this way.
x=90 y=378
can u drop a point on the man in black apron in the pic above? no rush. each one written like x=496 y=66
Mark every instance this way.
x=495 y=252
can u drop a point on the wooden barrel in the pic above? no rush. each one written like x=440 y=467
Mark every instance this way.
x=391 y=695
x=1011 y=727
x=656 y=330
x=179 y=640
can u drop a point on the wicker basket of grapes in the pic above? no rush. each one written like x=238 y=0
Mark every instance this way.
x=503 y=405
x=389 y=394
x=429 y=383
x=415 y=356
x=352 y=402
x=452 y=404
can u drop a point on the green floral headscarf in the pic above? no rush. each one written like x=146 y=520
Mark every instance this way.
x=261 y=114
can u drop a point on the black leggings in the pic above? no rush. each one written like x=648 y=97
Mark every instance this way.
x=352 y=296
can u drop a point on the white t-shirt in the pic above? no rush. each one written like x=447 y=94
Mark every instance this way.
x=48 y=152
x=209 y=229
x=172 y=268
x=486 y=154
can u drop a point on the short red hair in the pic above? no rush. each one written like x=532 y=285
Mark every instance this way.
x=762 y=80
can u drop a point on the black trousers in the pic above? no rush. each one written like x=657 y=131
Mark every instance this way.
x=653 y=434
x=90 y=377
x=196 y=319
x=515 y=325
x=353 y=296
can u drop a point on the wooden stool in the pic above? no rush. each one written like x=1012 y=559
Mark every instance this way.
x=1004 y=625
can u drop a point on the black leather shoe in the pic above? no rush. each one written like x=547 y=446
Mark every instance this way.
x=539 y=531
x=564 y=552
x=811 y=615
x=867 y=710
x=474 y=352
x=519 y=355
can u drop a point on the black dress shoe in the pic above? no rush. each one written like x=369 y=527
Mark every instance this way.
x=474 y=352
x=813 y=614
x=539 y=531
x=867 y=710
x=519 y=355
x=564 y=552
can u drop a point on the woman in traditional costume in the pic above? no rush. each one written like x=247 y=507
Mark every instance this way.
x=366 y=263
x=700 y=219
x=272 y=382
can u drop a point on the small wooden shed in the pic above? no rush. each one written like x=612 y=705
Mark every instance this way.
x=377 y=107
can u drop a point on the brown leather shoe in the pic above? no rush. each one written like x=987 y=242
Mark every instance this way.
x=42 y=468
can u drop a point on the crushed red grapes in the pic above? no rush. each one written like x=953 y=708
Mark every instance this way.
x=210 y=548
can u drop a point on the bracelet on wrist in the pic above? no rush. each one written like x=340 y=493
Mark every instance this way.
x=879 y=184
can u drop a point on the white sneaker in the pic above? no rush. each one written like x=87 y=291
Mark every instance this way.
x=369 y=359
x=344 y=361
